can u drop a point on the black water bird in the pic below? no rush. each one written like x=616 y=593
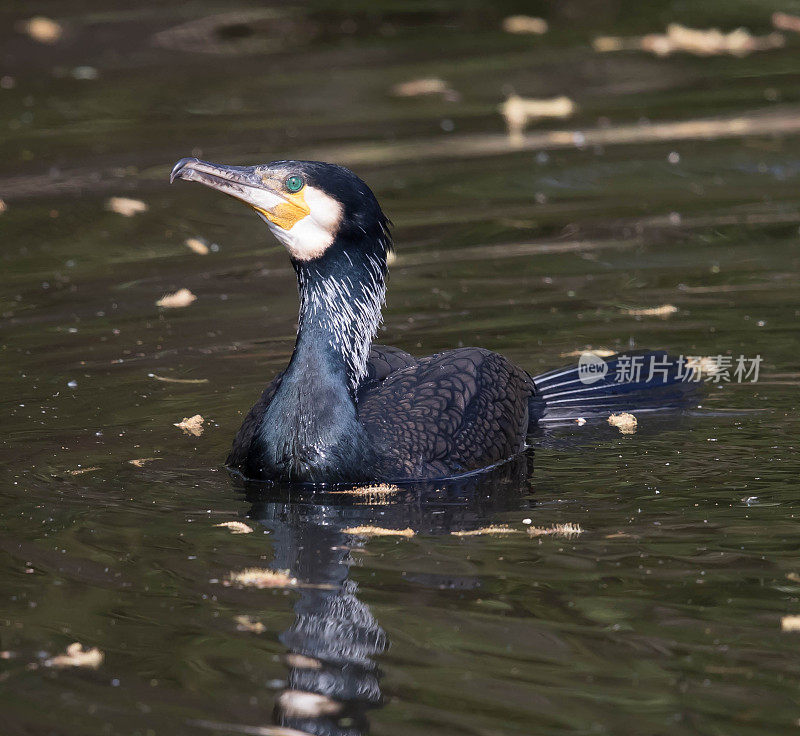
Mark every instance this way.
x=347 y=410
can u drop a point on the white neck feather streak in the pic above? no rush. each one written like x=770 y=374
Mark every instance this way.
x=349 y=312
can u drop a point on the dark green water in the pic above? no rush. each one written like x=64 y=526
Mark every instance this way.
x=663 y=617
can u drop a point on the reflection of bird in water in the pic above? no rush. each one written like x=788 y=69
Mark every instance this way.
x=334 y=637
x=333 y=680
x=346 y=410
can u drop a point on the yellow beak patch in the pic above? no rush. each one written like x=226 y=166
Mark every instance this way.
x=288 y=213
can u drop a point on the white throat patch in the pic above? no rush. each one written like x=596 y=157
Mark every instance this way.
x=311 y=236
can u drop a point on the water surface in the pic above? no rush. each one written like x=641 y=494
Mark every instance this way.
x=664 y=616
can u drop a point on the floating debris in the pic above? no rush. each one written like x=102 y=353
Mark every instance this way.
x=525 y=24
x=695 y=41
x=167 y=379
x=81 y=471
x=256 y=577
x=790 y=623
x=665 y=310
x=786 y=22
x=126 y=206
x=236 y=527
x=425 y=87
x=301 y=662
x=599 y=352
x=245 y=623
x=557 y=530
x=77 y=656
x=198 y=246
x=43 y=30
x=494 y=529
x=626 y=423
x=580 y=421
x=180 y=298
x=302 y=704
x=793 y=576
x=3 y=207
x=378 y=531
x=739 y=42
x=375 y=495
x=376 y=489
x=140 y=462
x=519 y=111
x=191 y=425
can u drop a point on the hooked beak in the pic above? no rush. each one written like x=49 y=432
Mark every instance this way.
x=263 y=193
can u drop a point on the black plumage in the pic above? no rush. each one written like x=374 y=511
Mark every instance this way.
x=346 y=410
x=435 y=417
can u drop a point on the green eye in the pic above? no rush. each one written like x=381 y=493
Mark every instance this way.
x=294 y=184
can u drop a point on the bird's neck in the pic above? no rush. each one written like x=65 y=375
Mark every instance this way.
x=311 y=430
x=340 y=311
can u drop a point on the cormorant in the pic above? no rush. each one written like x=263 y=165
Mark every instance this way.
x=345 y=410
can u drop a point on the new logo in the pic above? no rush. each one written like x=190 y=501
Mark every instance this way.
x=591 y=368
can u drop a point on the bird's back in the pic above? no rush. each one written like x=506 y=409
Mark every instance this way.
x=448 y=413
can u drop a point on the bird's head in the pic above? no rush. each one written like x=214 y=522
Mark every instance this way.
x=310 y=206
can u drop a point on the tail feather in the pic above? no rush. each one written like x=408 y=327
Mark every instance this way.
x=635 y=382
